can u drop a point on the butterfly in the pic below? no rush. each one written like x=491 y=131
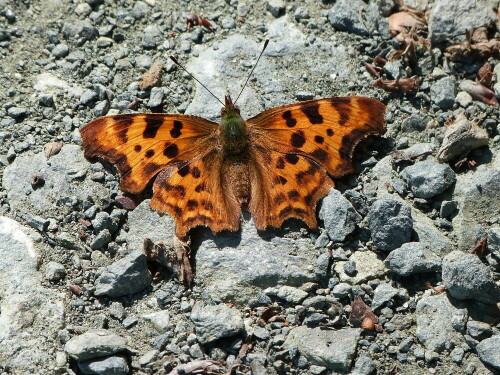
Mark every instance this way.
x=277 y=165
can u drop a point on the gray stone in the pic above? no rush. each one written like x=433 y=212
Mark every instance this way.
x=447 y=208
x=144 y=223
x=160 y=320
x=144 y=61
x=104 y=42
x=368 y=267
x=54 y=271
x=464 y=99
x=435 y=330
x=140 y=10
x=101 y=240
x=79 y=28
x=301 y=13
x=413 y=257
x=390 y=222
x=478 y=197
x=17 y=112
x=151 y=36
x=94 y=343
x=427 y=179
x=344 y=15
x=488 y=351
x=383 y=293
x=238 y=266
x=31 y=315
x=466 y=277
x=228 y=22
x=60 y=51
x=276 y=7
x=334 y=350
x=338 y=215
x=450 y=19
x=478 y=330
x=126 y=276
x=341 y=290
x=414 y=123
x=214 y=322
x=103 y=221
x=105 y=366
x=443 y=92
x=291 y=294
x=156 y=97
x=88 y=97
x=364 y=366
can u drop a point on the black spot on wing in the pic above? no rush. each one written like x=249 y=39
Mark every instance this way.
x=171 y=150
x=290 y=121
x=137 y=148
x=149 y=153
x=292 y=158
x=152 y=126
x=311 y=110
x=195 y=172
x=280 y=163
x=176 y=130
x=298 y=139
x=320 y=154
x=183 y=171
x=191 y=204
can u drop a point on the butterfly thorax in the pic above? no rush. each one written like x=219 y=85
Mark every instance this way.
x=234 y=132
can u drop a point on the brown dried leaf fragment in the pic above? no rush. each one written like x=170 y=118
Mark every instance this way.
x=152 y=77
x=481 y=248
x=461 y=136
x=174 y=256
x=373 y=70
x=434 y=289
x=402 y=22
x=363 y=316
x=269 y=312
x=479 y=92
x=52 y=148
x=126 y=202
x=485 y=75
x=402 y=85
x=477 y=43
x=195 y=20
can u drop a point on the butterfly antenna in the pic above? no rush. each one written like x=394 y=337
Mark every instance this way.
x=196 y=79
x=261 y=52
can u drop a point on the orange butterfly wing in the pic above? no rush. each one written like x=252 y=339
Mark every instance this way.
x=144 y=145
x=297 y=146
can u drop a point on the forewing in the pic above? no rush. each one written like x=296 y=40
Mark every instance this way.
x=325 y=130
x=141 y=145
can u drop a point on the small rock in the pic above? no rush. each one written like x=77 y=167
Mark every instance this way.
x=390 y=222
x=104 y=42
x=17 y=112
x=55 y=271
x=291 y=294
x=105 y=366
x=364 y=366
x=383 y=294
x=93 y=344
x=316 y=345
x=103 y=221
x=160 y=320
x=368 y=267
x=126 y=276
x=464 y=99
x=466 y=277
x=117 y=311
x=413 y=257
x=443 y=92
x=427 y=179
x=213 y=322
x=488 y=351
x=140 y=10
x=88 y=97
x=341 y=290
x=344 y=15
x=478 y=330
x=414 y=123
x=228 y=22
x=101 y=240
x=301 y=13
x=338 y=215
x=448 y=208
x=156 y=97
x=276 y=7
x=60 y=51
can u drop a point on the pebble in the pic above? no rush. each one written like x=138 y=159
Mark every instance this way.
x=338 y=215
x=160 y=320
x=466 y=277
x=276 y=7
x=443 y=92
x=126 y=276
x=412 y=258
x=60 y=51
x=54 y=271
x=228 y=22
x=213 y=322
x=110 y=365
x=291 y=294
x=488 y=351
x=368 y=267
x=390 y=222
x=93 y=344
x=314 y=345
x=156 y=97
x=427 y=179
x=344 y=15
x=383 y=294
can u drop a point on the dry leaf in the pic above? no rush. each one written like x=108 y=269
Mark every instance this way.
x=477 y=43
x=198 y=367
x=479 y=92
x=362 y=314
x=402 y=22
x=485 y=75
x=460 y=137
x=152 y=77
x=194 y=20
x=403 y=85
x=481 y=248
x=372 y=69
x=52 y=148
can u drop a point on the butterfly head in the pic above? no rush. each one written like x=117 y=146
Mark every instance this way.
x=230 y=110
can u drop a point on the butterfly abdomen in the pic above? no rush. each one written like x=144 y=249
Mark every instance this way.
x=234 y=136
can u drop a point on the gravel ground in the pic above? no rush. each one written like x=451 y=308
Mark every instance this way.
x=388 y=285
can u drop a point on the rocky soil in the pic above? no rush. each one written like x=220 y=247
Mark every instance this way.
x=388 y=285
